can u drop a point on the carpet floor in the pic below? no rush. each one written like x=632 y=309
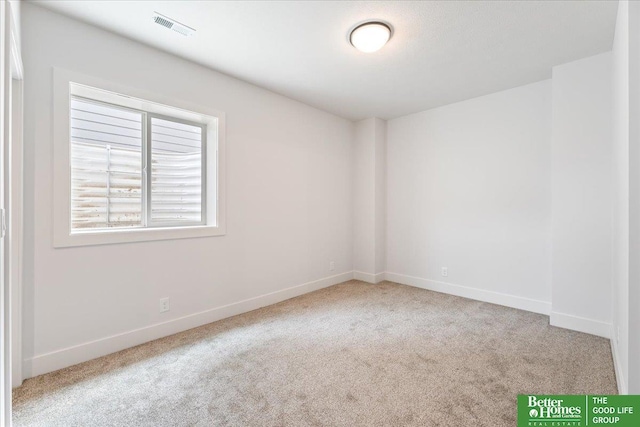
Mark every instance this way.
x=353 y=354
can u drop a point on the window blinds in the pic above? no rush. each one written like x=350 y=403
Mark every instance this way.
x=108 y=184
x=176 y=171
x=106 y=166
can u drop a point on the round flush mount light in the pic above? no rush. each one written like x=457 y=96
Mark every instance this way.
x=370 y=36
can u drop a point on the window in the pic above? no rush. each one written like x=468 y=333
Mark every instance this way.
x=132 y=168
x=128 y=168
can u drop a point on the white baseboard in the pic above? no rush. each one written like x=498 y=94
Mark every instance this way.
x=617 y=364
x=369 y=277
x=512 y=301
x=63 y=358
x=580 y=324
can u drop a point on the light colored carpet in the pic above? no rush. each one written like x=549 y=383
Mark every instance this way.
x=353 y=354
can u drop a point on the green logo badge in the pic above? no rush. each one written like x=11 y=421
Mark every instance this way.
x=578 y=411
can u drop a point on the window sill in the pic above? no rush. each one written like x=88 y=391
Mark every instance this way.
x=107 y=237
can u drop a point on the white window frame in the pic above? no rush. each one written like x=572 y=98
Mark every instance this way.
x=66 y=83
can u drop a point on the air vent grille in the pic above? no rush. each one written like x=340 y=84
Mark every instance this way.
x=182 y=30
x=172 y=24
x=164 y=22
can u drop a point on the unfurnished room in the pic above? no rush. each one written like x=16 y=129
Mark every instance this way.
x=319 y=213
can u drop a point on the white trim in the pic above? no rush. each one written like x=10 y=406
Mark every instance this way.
x=580 y=324
x=617 y=364
x=507 y=300
x=5 y=330
x=12 y=123
x=17 y=70
x=69 y=356
x=369 y=277
x=16 y=222
x=105 y=237
x=216 y=206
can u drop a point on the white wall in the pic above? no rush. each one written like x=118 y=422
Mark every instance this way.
x=581 y=202
x=364 y=196
x=380 y=209
x=620 y=177
x=369 y=203
x=468 y=187
x=634 y=197
x=626 y=206
x=289 y=211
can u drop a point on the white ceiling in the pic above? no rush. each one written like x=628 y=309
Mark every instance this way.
x=441 y=51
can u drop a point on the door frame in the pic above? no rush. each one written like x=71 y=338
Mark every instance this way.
x=12 y=170
x=14 y=190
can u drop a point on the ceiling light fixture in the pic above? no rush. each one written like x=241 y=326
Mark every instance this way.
x=370 y=36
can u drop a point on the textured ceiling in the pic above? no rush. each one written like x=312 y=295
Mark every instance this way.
x=441 y=51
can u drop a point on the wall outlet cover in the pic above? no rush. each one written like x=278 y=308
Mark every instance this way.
x=164 y=305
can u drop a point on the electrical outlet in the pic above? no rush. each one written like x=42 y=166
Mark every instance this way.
x=164 y=305
x=332 y=266
x=445 y=272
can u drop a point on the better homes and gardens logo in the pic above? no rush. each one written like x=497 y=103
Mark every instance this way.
x=578 y=411
x=555 y=411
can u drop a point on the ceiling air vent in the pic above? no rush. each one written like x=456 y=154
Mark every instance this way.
x=172 y=24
